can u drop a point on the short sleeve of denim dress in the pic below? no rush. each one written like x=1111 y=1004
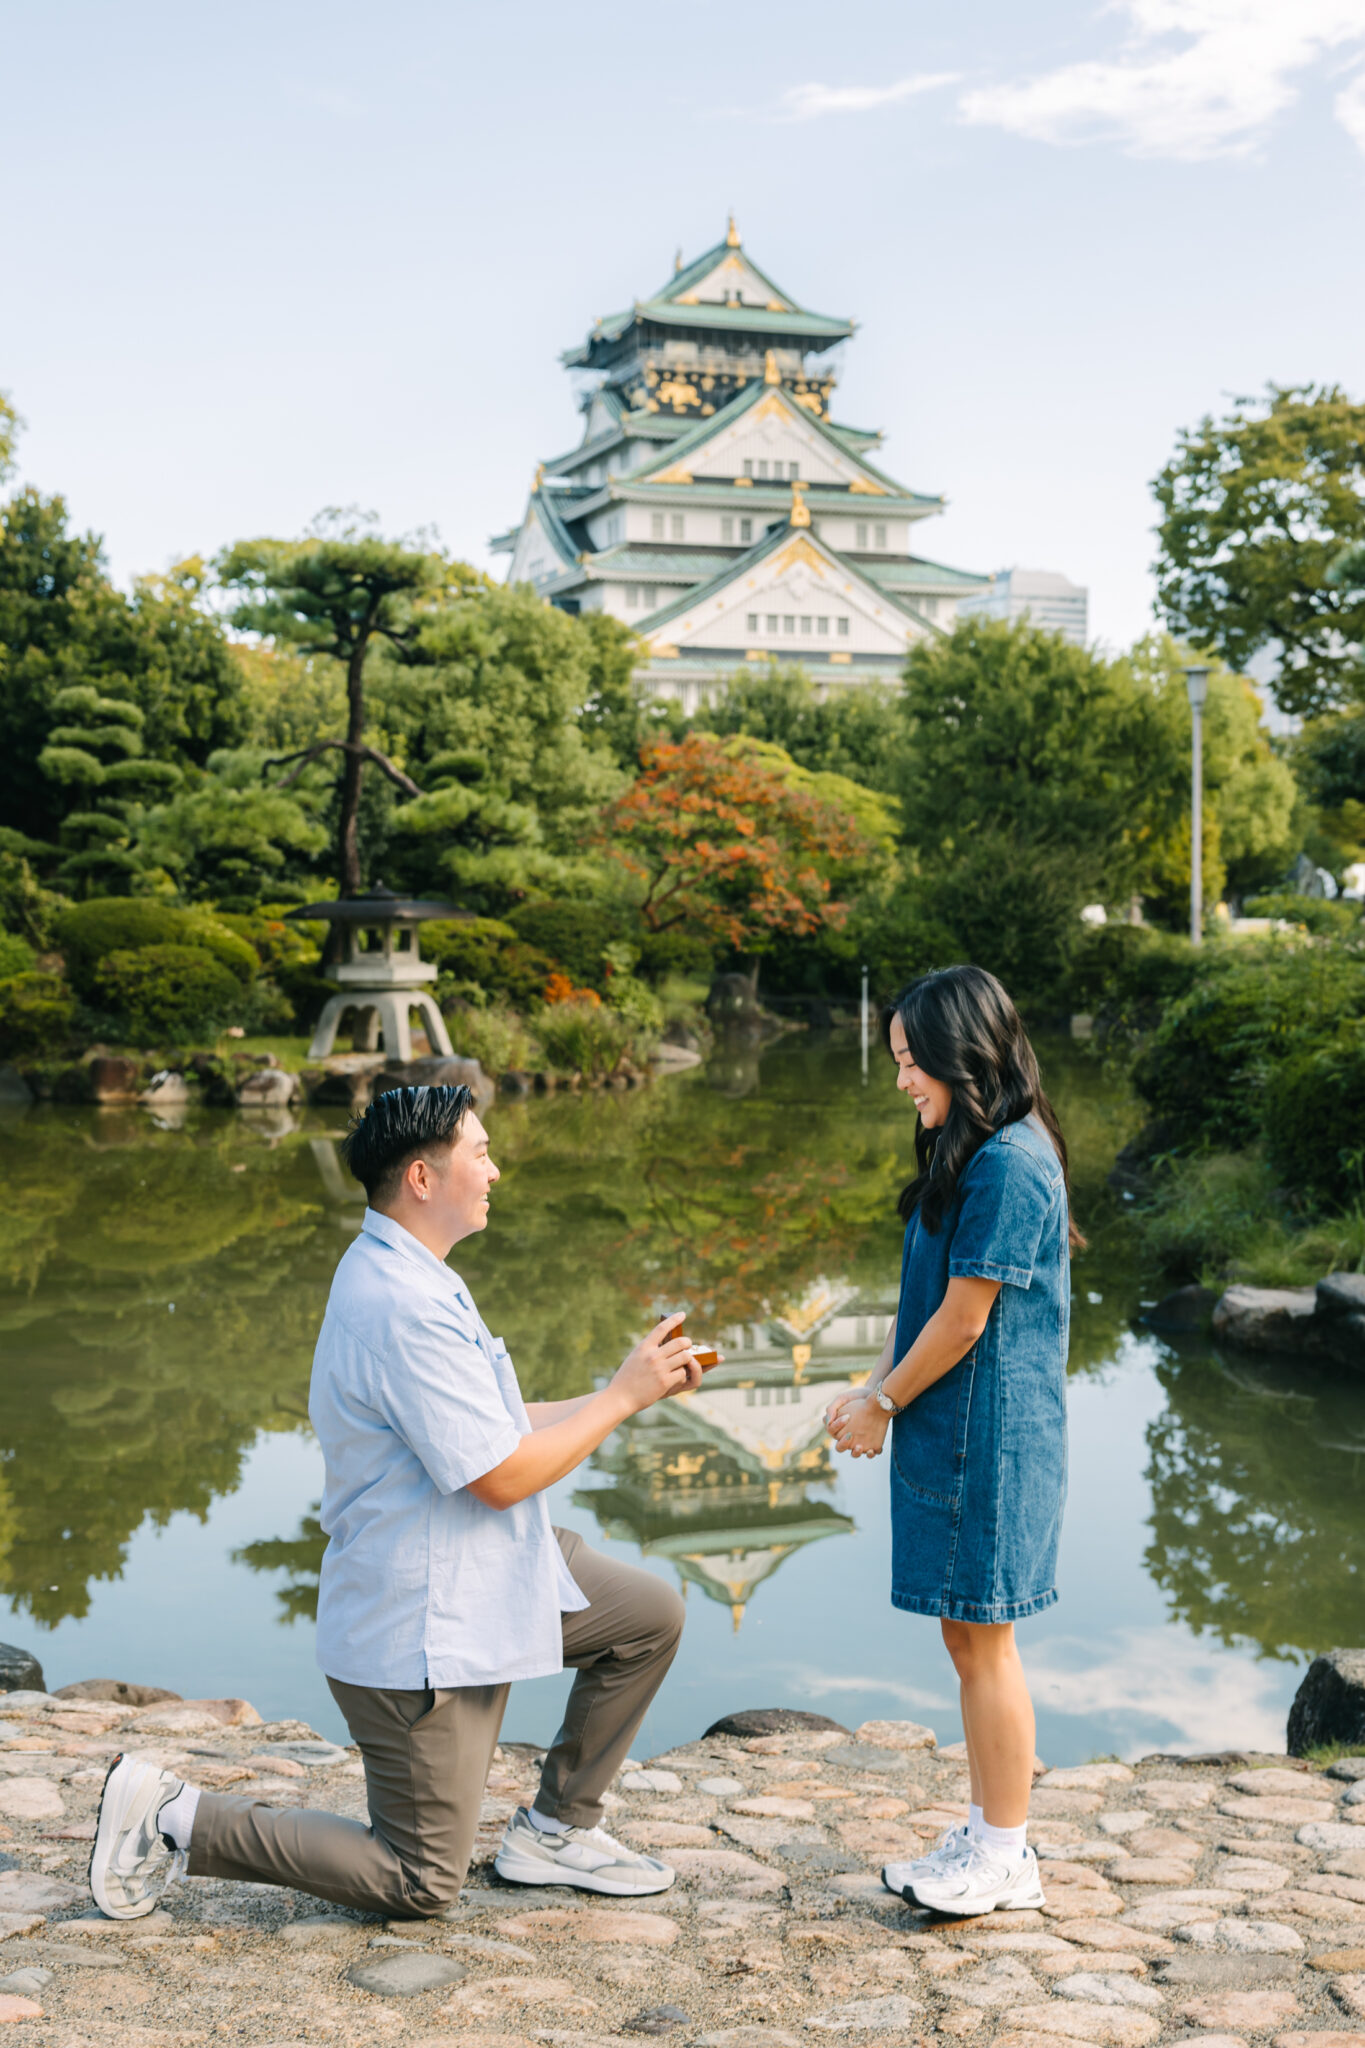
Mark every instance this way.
x=978 y=1461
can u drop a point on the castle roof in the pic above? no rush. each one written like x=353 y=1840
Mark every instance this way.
x=723 y=291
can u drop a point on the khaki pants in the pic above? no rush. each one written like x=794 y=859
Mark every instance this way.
x=427 y=1755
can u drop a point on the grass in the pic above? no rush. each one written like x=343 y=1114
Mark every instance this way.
x=1324 y=1753
x=1220 y=1217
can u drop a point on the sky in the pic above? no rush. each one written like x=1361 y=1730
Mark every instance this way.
x=261 y=262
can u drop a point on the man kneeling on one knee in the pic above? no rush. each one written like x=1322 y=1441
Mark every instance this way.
x=442 y=1580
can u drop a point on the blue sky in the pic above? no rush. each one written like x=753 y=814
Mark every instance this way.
x=263 y=261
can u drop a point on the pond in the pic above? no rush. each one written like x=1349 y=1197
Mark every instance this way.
x=162 y=1289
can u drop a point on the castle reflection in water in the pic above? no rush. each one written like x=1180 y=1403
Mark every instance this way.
x=727 y=1482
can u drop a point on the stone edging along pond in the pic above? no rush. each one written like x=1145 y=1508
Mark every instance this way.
x=1220 y=1896
x=255 y=1082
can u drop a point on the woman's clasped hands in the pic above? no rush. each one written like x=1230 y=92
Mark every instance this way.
x=857 y=1423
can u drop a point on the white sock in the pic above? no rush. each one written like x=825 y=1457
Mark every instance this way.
x=976 y=1820
x=546 y=1825
x=1007 y=1842
x=176 y=1818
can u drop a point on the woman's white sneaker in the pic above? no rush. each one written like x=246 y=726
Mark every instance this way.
x=899 y=1877
x=130 y=1865
x=982 y=1881
x=587 y=1858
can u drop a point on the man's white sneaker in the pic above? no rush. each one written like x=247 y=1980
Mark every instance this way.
x=899 y=1877
x=587 y=1858
x=130 y=1864
x=982 y=1882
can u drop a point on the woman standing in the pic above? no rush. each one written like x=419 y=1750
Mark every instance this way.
x=972 y=1384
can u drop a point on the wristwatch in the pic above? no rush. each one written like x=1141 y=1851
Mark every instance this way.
x=886 y=1404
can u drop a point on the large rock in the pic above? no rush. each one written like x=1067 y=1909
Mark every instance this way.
x=268 y=1088
x=110 y=1077
x=771 y=1720
x=1265 y=1318
x=166 y=1090
x=1340 y=1320
x=1329 y=1705
x=437 y=1072
x=15 y=1092
x=20 y=1670
x=117 y=1690
x=1188 y=1309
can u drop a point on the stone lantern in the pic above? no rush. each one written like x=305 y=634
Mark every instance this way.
x=382 y=976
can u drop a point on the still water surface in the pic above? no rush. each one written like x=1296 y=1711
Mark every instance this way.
x=160 y=1291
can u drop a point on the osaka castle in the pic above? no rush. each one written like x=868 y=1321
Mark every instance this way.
x=713 y=503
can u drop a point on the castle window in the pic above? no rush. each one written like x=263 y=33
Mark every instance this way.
x=805 y=625
x=649 y=596
x=748 y=467
x=632 y=597
x=788 y=623
x=862 y=533
x=746 y=529
x=656 y=525
x=929 y=606
x=751 y=623
x=822 y=625
x=843 y=629
x=763 y=469
x=727 y=529
x=676 y=522
x=881 y=536
x=772 y=622
x=793 y=470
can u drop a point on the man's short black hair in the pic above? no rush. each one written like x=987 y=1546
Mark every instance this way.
x=397 y=1128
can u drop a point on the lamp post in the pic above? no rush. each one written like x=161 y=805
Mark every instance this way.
x=1197 y=685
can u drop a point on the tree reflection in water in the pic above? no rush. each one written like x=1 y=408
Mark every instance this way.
x=1257 y=1471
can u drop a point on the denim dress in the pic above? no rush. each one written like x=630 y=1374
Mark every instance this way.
x=978 y=1461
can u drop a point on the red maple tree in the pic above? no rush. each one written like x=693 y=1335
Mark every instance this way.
x=725 y=845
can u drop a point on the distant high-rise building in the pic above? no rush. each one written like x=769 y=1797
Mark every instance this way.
x=1050 y=601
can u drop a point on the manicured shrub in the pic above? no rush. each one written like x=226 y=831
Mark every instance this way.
x=1214 y=1057
x=16 y=955
x=37 y=1012
x=488 y=953
x=1315 y=1121
x=1314 y=913
x=165 y=994
x=89 y=931
x=575 y=935
x=1131 y=968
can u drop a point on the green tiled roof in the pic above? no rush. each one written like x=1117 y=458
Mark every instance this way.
x=740 y=564
x=706 y=430
x=919 y=574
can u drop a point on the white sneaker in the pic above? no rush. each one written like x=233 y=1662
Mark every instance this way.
x=130 y=1863
x=587 y=1858
x=899 y=1877
x=982 y=1881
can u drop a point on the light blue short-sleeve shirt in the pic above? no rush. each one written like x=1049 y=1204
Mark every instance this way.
x=412 y=1399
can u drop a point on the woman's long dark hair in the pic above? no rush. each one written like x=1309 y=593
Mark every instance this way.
x=962 y=1028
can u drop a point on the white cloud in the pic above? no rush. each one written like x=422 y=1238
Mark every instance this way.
x=806 y=102
x=1209 y=1698
x=1349 y=108
x=1194 y=79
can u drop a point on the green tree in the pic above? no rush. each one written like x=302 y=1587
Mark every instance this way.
x=1252 y=808
x=1256 y=508
x=338 y=593
x=229 y=839
x=856 y=733
x=63 y=626
x=496 y=712
x=10 y=425
x=96 y=755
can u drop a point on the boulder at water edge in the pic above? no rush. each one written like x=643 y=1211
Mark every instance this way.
x=1340 y=1318
x=1265 y=1318
x=116 y=1690
x=1329 y=1706
x=20 y=1670
x=772 y=1721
